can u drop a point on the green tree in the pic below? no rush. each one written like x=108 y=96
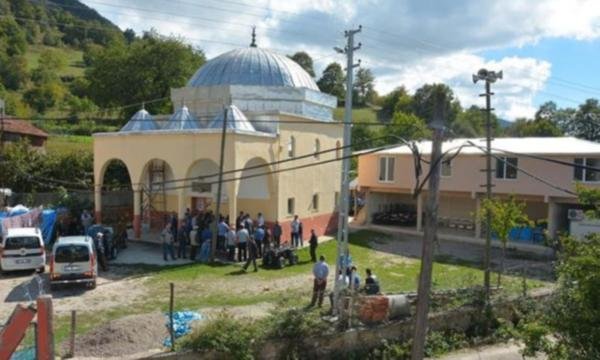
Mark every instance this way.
x=146 y=69
x=586 y=122
x=305 y=61
x=406 y=126
x=332 y=81
x=51 y=63
x=129 y=35
x=506 y=215
x=44 y=97
x=423 y=102
x=13 y=71
x=399 y=100
x=540 y=127
x=364 y=86
x=472 y=121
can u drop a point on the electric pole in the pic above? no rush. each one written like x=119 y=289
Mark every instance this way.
x=3 y=106
x=342 y=235
x=489 y=77
x=431 y=226
x=215 y=225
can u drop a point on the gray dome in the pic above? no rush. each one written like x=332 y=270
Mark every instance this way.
x=252 y=66
x=141 y=121
x=236 y=120
x=182 y=119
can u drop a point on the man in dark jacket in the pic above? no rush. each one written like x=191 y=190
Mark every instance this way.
x=277 y=234
x=313 y=242
x=252 y=254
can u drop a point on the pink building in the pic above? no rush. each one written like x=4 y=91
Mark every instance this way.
x=388 y=179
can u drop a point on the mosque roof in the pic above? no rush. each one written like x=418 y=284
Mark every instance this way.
x=236 y=120
x=182 y=119
x=141 y=121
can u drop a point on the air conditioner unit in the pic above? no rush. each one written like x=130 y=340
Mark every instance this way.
x=576 y=215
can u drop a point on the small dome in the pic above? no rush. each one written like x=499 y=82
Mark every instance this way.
x=236 y=120
x=182 y=119
x=141 y=121
x=252 y=66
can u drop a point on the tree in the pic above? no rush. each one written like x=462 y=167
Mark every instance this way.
x=423 y=102
x=129 y=35
x=332 y=81
x=399 y=100
x=13 y=72
x=586 y=123
x=146 y=69
x=305 y=61
x=364 y=86
x=51 y=63
x=506 y=215
x=43 y=97
x=540 y=127
x=472 y=123
x=406 y=126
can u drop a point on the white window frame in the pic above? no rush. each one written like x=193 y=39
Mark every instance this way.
x=584 y=161
x=386 y=177
x=291 y=150
x=291 y=201
x=449 y=162
x=314 y=205
x=505 y=166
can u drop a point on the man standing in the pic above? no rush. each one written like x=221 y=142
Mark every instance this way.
x=222 y=230
x=239 y=221
x=86 y=221
x=194 y=236
x=99 y=242
x=260 y=221
x=313 y=242
x=231 y=240
x=252 y=252
x=167 y=241
x=259 y=236
x=277 y=234
x=295 y=231
x=181 y=241
x=320 y=271
x=243 y=238
x=371 y=283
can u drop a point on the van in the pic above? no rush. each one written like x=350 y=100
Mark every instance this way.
x=73 y=262
x=22 y=249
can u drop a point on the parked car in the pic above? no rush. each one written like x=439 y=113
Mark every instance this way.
x=23 y=249
x=73 y=262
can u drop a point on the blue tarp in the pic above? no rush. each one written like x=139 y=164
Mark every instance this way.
x=182 y=324
x=47 y=222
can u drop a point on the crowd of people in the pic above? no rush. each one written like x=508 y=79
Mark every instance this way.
x=244 y=240
x=348 y=280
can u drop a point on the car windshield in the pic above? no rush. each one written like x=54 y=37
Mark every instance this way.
x=71 y=254
x=20 y=242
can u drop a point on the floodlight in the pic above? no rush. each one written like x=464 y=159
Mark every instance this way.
x=338 y=50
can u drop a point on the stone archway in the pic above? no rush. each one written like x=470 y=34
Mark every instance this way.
x=114 y=195
x=255 y=192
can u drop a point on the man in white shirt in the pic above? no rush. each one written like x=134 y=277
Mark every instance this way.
x=320 y=271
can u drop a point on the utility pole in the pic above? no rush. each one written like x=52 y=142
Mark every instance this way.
x=431 y=226
x=3 y=106
x=489 y=77
x=342 y=235
x=215 y=225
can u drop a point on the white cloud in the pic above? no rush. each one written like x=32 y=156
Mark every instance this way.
x=408 y=42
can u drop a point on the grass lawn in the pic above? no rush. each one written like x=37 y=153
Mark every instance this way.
x=67 y=143
x=200 y=285
x=74 y=59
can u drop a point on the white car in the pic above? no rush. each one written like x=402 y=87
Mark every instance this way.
x=74 y=262
x=22 y=249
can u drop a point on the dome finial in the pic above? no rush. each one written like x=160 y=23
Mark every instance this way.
x=143 y=105
x=253 y=43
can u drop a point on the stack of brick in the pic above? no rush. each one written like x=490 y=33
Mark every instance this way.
x=373 y=309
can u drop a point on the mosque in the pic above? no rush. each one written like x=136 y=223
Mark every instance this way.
x=277 y=123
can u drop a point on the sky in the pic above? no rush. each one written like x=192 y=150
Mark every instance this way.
x=548 y=50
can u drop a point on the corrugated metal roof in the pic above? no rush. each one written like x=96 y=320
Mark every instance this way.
x=182 y=119
x=252 y=66
x=527 y=145
x=141 y=121
x=236 y=120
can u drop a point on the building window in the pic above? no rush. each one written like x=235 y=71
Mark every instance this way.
x=336 y=199
x=386 y=169
x=292 y=147
x=290 y=206
x=317 y=148
x=446 y=168
x=506 y=167
x=338 y=150
x=587 y=175
x=315 y=202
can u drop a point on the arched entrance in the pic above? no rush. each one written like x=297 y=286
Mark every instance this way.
x=255 y=189
x=116 y=195
x=159 y=196
x=201 y=186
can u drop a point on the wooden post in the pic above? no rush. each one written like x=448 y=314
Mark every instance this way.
x=72 y=337
x=430 y=234
x=171 y=327
x=215 y=225
x=45 y=331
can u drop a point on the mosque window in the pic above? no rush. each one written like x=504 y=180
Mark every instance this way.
x=338 y=150
x=292 y=147
x=317 y=148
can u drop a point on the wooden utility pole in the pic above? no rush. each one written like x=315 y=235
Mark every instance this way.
x=214 y=226
x=431 y=225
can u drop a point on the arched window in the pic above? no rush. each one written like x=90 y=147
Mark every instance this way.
x=338 y=150
x=292 y=147
x=317 y=148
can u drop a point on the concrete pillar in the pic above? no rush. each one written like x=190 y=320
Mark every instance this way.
x=137 y=212
x=232 y=200
x=477 y=221
x=182 y=204
x=552 y=219
x=98 y=204
x=420 y=212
